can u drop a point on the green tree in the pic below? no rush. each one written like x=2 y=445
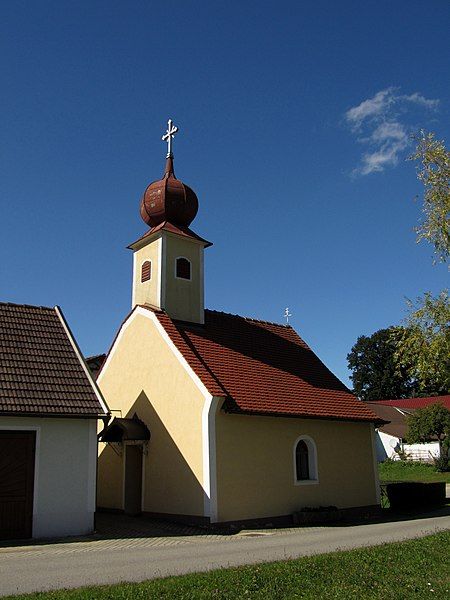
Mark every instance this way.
x=429 y=423
x=376 y=373
x=424 y=344
x=433 y=171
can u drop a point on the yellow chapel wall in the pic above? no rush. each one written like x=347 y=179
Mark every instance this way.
x=183 y=299
x=147 y=292
x=144 y=376
x=255 y=466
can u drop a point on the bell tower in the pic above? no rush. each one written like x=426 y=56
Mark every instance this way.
x=168 y=259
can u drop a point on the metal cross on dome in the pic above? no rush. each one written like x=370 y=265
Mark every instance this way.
x=168 y=137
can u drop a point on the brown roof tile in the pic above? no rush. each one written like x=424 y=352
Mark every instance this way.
x=40 y=372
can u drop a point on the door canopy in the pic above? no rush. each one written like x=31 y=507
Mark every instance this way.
x=125 y=430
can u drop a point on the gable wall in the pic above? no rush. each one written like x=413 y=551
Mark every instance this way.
x=255 y=466
x=143 y=375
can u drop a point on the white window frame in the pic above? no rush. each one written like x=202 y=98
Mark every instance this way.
x=190 y=268
x=312 y=461
x=146 y=260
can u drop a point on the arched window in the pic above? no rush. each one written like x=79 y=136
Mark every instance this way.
x=305 y=461
x=183 y=268
x=302 y=461
x=146 y=271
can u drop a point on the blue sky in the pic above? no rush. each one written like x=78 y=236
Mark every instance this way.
x=294 y=125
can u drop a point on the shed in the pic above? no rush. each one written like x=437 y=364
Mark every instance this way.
x=49 y=408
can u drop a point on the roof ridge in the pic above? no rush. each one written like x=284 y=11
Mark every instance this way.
x=217 y=312
x=253 y=319
x=412 y=398
x=52 y=308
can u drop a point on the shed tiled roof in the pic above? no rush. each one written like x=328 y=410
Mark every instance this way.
x=262 y=368
x=417 y=402
x=40 y=372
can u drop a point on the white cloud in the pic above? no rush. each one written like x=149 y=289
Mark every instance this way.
x=389 y=130
x=369 y=108
x=417 y=98
x=376 y=123
x=387 y=155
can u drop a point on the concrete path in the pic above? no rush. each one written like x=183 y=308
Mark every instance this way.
x=79 y=563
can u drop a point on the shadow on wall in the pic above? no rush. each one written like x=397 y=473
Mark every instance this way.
x=170 y=486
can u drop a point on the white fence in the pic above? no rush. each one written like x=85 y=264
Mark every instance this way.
x=388 y=446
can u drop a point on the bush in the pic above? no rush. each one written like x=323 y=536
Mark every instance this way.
x=414 y=494
x=441 y=463
x=403 y=455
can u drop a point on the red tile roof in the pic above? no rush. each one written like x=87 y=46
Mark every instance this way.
x=417 y=402
x=262 y=368
x=40 y=372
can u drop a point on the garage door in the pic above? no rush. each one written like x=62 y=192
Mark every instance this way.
x=16 y=483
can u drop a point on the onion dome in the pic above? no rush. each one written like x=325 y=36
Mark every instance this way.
x=169 y=199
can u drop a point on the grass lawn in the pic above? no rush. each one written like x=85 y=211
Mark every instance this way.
x=410 y=471
x=412 y=569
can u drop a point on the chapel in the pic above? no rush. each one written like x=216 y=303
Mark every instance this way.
x=218 y=417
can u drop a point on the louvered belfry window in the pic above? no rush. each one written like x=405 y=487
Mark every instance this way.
x=302 y=461
x=146 y=271
x=183 y=268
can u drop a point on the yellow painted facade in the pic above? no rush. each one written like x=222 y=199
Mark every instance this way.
x=255 y=466
x=144 y=376
x=181 y=298
x=147 y=292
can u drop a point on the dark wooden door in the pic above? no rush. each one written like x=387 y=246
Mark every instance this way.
x=133 y=480
x=17 y=450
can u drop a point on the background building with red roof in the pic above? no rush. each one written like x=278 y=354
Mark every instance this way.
x=413 y=403
x=391 y=437
x=219 y=417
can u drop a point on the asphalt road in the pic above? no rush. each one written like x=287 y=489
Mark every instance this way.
x=75 y=564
